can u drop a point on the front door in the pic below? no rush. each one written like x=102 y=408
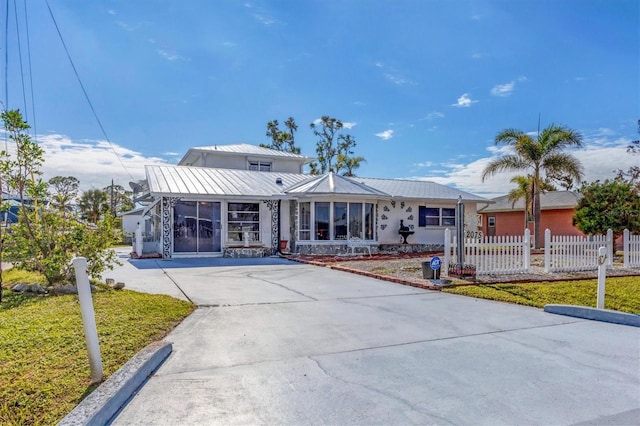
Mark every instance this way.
x=197 y=227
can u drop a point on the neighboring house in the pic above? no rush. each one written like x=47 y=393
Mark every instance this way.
x=503 y=217
x=244 y=200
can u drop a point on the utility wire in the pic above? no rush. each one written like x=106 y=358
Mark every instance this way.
x=24 y=94
x=6 y=57
x=55 y=23
x=33 y=102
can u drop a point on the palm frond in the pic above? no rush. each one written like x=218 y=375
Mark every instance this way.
x=508 y=163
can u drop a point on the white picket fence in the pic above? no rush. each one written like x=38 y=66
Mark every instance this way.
x=570 y=253
x=631 y=248
x=492 y=255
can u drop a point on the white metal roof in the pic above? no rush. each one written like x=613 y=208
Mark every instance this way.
x=333 y=184
x=180 y=181
x=419 y=189
x=548 y=201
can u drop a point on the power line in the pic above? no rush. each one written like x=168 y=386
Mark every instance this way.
x=55 y=23
x=6 y=56
x=24 y=94
x=33 y=102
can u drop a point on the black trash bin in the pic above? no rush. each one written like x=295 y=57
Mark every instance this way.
x=428 y=273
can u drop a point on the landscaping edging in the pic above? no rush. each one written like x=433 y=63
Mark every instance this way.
x=103 y=403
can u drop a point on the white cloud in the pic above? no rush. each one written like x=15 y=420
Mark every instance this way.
x=432 y=115
x=503 y=89
x=94 y=163
x=599 y=160
x=228 y=44
x=477 y=55
x=169 y=56
x=464 y=101
x=348 y=125
x=385 y=135
x=521 y=78
x=359 y=103
x=111 y=12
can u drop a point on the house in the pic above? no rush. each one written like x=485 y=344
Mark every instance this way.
x=503 y=217
x=248 y=201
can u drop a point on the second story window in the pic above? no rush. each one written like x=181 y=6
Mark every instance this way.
x=260 y=166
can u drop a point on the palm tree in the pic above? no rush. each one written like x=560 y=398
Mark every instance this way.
x=540 y=157
x=523 y=191
x=93 y=204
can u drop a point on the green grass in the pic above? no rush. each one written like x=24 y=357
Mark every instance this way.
x=621 y=293
x=44 y=366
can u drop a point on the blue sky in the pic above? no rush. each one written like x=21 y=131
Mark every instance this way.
x=424 y=86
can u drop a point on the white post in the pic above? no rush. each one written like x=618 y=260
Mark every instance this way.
x=547 y=250
x=527 y=249
x=88 y=318
x=611 y=247
x=447 y=251
x=626 y=248
x=139 y=241
x=602 y=274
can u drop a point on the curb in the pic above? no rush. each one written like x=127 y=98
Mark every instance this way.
x=595 y=314
x=104 y=402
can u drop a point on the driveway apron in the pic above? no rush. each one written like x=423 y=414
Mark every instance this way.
x=278 y=342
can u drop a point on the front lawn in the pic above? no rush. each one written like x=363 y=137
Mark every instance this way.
x=622 y=293
x=44 y=366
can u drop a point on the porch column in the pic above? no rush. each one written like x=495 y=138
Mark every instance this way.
x=275 y=219
x=167 y=226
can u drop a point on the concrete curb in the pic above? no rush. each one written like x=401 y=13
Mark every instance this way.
x=595 y=314
x=103 y=403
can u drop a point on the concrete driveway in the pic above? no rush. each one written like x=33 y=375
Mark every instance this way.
x=277 y=342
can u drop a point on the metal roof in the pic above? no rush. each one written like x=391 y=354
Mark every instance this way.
x=548 y=201
x=420 y=189
x=248 y=149
x=333 y=184
x=180 y=181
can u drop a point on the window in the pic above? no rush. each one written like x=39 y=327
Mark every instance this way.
x=369 y=213
x=436 y=216
x=260 y=166
x=322 y=221
x=492 y=221
x=305 y=221
x=355 y=220
x=448 y=217
x=339 y=221
x=336 y=220
x=243 y=218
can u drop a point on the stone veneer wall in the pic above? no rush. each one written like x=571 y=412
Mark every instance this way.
x=238 y=252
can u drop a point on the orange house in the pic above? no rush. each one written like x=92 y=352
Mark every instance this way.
x=505 y=218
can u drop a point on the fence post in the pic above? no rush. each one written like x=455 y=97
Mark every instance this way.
x=602 y=275
x=626 y=248
x=88 y=318
x=527 y=249
x=138 y=241
x=547 y=250
x=447 y=251
x=610 y=247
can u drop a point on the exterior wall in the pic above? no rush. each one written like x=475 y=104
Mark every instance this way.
x=391 y=212
x=559 y=221
x=130 y=223
x=241 y=162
